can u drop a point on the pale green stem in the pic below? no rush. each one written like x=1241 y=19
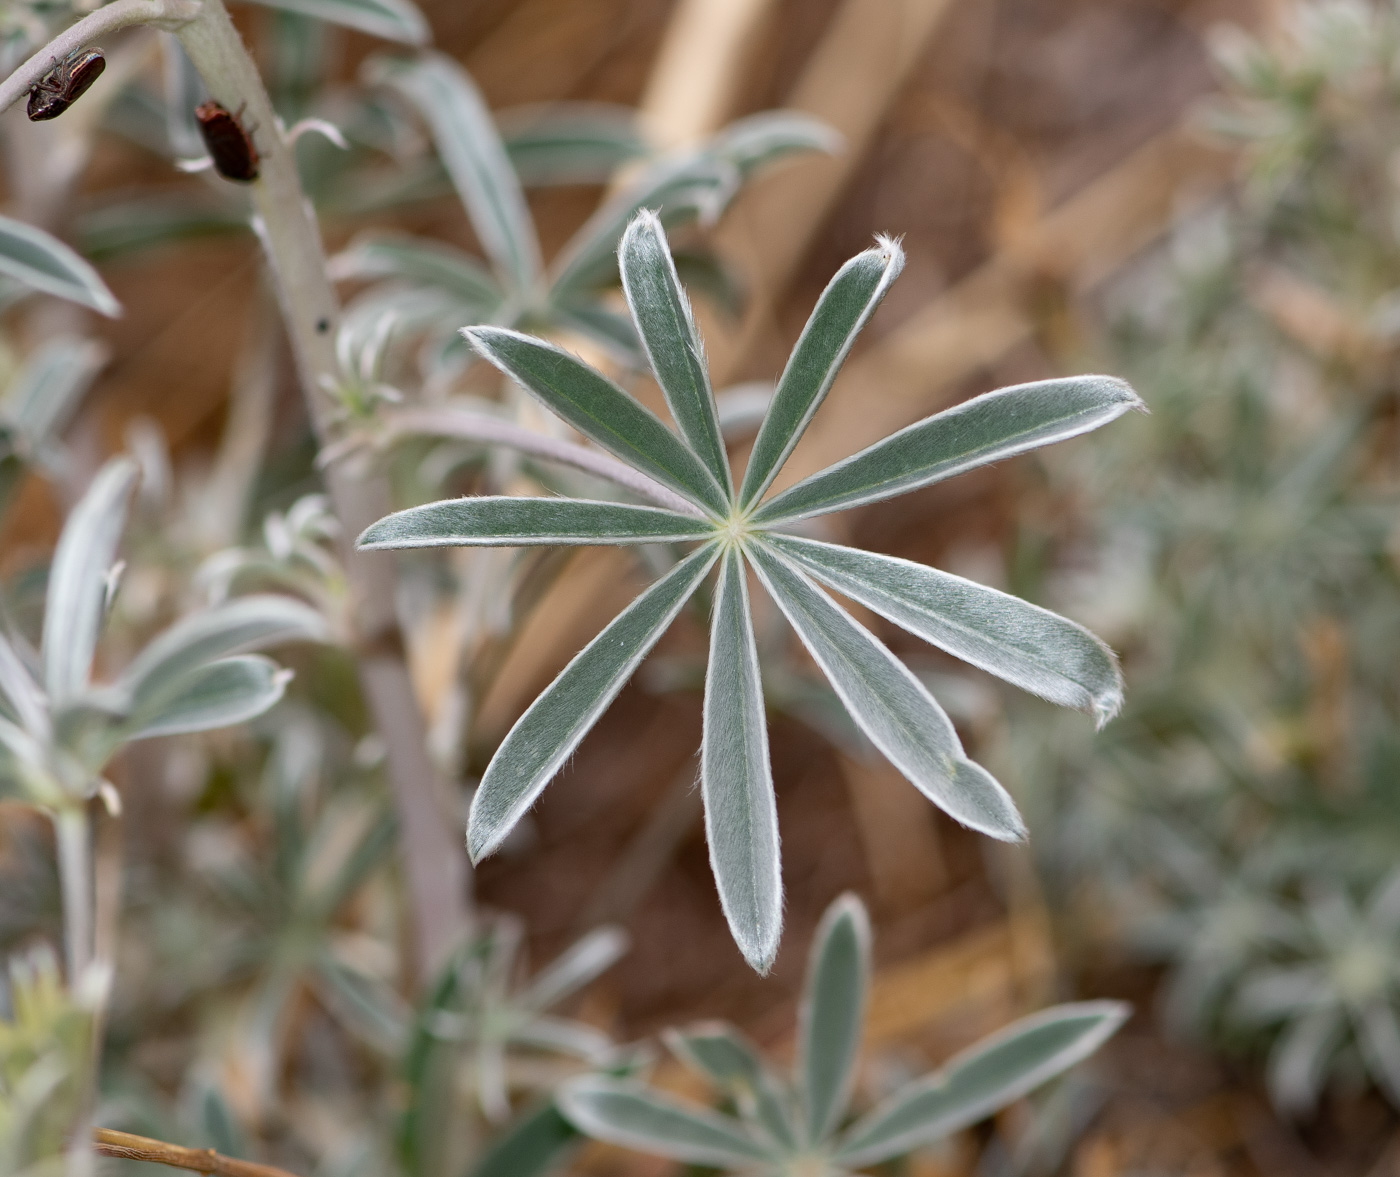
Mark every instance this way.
x=433 y=857
x=73 y=838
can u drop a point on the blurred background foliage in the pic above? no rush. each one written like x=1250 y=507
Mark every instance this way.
x=1198 y=195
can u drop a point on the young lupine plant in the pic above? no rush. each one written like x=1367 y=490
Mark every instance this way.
x=486 y=1029
x=734 y=528
x=58 y=729
x=799 y=1124
x=1336 y=993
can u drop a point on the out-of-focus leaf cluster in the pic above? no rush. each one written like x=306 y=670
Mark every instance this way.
x=1239 y=821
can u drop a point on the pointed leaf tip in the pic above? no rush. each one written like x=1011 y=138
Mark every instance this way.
x=843 y=309
x=988 y=428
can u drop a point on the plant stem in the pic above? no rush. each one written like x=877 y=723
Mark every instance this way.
x=434 y=860
x=106 y=1142
x=469 y=426
x=119 y=14
x=75 y=881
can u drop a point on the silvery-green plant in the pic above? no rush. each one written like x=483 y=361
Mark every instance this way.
x=1243 y=537
x=485 y=1028
x=324 y=845
x=1334 y=994
x=58 y=728
x=800 y=1125
x=429 y=288
x=46 y=1053
x=736 y=529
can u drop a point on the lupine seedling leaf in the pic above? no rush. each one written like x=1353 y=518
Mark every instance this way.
x=744 y=533
x=760 y=1139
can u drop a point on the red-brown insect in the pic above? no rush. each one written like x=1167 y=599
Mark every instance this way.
x=64 y=84
x=230 y=146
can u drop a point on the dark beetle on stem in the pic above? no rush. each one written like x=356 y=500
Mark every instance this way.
x=230 y=146
x=64 y=84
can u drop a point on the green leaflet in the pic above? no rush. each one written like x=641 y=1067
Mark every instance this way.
x=891 y=706
x=634 y=1116
x=984 y=429
x=76 y=601
x=500 y=521
x=729 y=1060
x=672 y=340
x=1028 y=646
x=420 y=260
x=574 y=968
x=741 y=815
x=43 y=262
x=551 y=728
x=981 y=1080
x=233 y=627
x=686 y=185
x=833 y=1014
x=845 y=306
x=570 y=142
x=475 y=158
x=596 y=407
x=219 y=694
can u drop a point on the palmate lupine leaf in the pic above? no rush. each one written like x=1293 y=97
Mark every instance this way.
x=421 y=260
x=1026 y=645
x=845 y=306
x=729 y=1060
x=570 y=142
x=977 y=1083
x=638 y=1117
x=993 y=1073
x=219 y=694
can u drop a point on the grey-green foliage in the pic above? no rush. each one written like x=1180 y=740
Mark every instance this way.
x=742 y=532
x=1242 y=543
x=486 y=1029
x=42 y=262
x=429 y=288
x=323 y=846
x=801 y=1124
x=58 y=728
x=46 y=1042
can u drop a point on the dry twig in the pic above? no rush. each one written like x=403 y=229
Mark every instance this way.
x=107 y=1142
